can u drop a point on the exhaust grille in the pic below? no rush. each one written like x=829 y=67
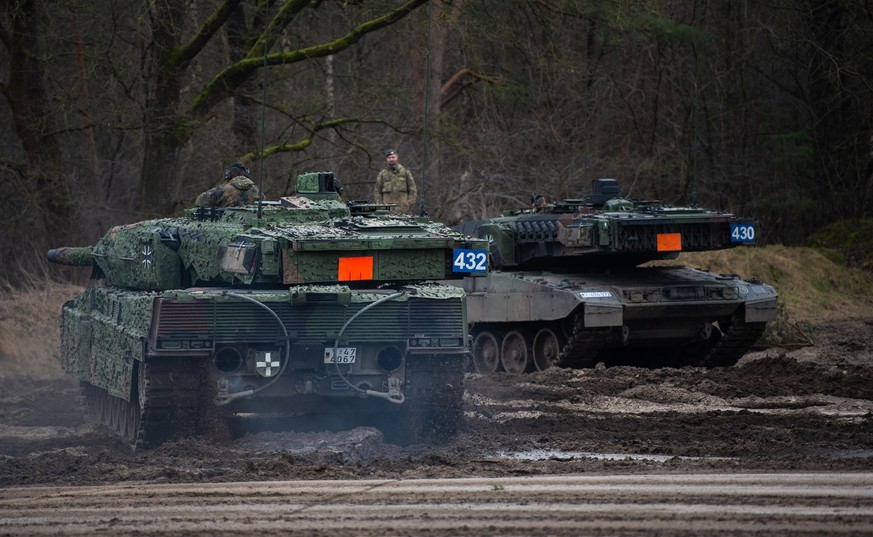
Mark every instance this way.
x=243 y=321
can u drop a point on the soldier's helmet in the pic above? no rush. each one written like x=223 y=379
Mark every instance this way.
x=230 y=172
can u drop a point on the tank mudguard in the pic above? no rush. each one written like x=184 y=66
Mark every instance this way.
x=760 y=302
x=102 y=334
x=599 y=313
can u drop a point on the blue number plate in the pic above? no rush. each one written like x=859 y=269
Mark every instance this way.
x=742 y=232
x=471 y=261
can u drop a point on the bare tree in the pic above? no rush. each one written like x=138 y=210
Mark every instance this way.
x=41 y=181
x=170 y=118
x=115 y=110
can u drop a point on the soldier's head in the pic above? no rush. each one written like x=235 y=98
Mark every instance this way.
x=235 y=170
x=391 y=157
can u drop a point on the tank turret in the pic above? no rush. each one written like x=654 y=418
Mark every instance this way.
x=310 y=238
x=303 y=305
x=606 y=232
x=572 y=292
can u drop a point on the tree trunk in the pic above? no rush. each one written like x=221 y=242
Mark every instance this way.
x=438 y=19
x=245 y=118
x=45 y=188
x=164 y=129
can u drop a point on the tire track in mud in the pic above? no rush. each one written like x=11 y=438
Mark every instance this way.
x=674 y=504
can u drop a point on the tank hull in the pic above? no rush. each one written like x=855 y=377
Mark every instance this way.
x=158 y=365
x=525 y=320
x=307 y=305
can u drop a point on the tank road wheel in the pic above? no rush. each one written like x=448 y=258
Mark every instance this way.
x=514 y=353
x=112 y=403
x=101 y=400
x=117 y=414
x=122 y=417
x=569 y=326
x=134 y=415
x=89 y=398
x=486 y=353
x=546 y=349
x=132 y=411
x=120 y=406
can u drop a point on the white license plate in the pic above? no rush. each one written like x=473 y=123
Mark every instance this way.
x=345 y=355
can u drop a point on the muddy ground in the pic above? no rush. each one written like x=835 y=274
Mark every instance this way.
x=808 y=409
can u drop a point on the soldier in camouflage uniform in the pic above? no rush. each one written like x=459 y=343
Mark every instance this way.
x=237 y=190
x=395 y=184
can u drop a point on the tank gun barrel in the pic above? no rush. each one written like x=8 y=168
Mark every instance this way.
x=77 y=256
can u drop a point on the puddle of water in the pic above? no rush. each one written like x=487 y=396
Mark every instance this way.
x=845 y=453
x=557 y=454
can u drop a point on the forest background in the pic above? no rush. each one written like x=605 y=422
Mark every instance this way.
x=113 y=111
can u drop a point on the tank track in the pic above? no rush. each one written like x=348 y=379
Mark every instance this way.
x=434 y=391
x=88 y=399
x=583 y=345
x=733 y=344
x=172 y=401
x=167 y=401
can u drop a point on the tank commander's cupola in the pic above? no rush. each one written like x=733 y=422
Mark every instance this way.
x=603 y=190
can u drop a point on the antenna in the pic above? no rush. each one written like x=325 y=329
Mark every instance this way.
x=263 y=122
x=694 y=145
x=426 y=138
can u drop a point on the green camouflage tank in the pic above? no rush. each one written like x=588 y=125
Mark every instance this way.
x=567 y=287
x=306 y=305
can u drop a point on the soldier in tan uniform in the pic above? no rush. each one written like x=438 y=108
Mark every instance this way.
x=395 y=184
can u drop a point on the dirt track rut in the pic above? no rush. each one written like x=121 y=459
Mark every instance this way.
x=733 y=504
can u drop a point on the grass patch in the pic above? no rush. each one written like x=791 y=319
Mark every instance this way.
x=848 y=242
x=812 y=287
x=30 y=331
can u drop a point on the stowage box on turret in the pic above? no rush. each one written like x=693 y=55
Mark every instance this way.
x=299 y=306
x=567 y=287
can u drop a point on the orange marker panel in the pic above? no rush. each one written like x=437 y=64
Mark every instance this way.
x=669 y=242
x=355 y=268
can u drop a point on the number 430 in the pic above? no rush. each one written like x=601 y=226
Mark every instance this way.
x=742 y=233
